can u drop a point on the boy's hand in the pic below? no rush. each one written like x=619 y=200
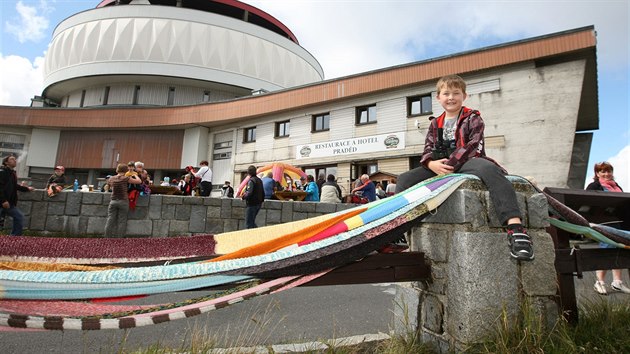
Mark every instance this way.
x=439 y=167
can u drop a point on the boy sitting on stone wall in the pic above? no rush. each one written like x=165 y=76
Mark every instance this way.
x=454 y=143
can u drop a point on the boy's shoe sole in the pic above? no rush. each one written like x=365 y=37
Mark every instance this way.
x=521 y=246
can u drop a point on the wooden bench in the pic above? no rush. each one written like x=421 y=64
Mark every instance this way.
x=597 y=207
x=378 y=268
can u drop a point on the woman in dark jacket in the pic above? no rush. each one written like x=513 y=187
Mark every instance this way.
x=605 y=181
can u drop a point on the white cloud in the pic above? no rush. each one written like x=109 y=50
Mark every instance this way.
x=29 y=26
x=21 y=79
x=350 y=37
x=621 y=167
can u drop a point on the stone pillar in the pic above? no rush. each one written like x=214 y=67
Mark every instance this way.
x=473 y=278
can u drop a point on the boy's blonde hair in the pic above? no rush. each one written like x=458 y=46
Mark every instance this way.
x=451 y=81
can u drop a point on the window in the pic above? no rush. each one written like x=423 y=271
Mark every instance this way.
x=366 y=114
x=282 y=129
x=315 y=171
x=249 y=135
x=366 y=168
x=223 y=145
x=171 y=96
x=222 y=156
x=419 y=105
x=82 y=99
x=206 y=96
x=321 y=122
x=12 y=146
x=106 y=95
x=136 y=92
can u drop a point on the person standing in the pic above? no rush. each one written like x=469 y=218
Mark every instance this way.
x=321 y=179
x=254 y=196
x=9 y=196
x=391 y=188
x=205 y=174
x=605 y=181
x=118 y=208
x=268 y=185
x=331 y=193
x=311 y=189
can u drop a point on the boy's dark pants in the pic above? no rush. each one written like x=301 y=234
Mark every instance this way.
x=501 y=192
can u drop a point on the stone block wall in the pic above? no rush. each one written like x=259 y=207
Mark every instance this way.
x=85 y=213
x=473 y=278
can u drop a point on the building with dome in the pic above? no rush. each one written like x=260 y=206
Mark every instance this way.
x=175 y=82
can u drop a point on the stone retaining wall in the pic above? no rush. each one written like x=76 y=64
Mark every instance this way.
x=473 y=278
x=81 y=213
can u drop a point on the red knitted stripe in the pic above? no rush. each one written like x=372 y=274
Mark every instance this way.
x=98 y=248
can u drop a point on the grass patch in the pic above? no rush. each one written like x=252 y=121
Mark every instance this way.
x=603 y=328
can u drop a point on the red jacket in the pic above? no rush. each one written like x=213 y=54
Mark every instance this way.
x=468 y=139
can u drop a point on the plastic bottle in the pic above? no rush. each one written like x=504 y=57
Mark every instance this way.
x=75 y=187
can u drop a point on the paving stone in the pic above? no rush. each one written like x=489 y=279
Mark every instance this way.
x=139 y=213
x=39 y=212
x=168 y=212
x=182 y=212
x=178 y=228
x=139 y=227
x=326 y=208
x=198 y=218
x=94 y=210
x=172 y=199
x=96 y=225
x=91 y=198
x=216 y=225
x=160 y=228
x=73 y=203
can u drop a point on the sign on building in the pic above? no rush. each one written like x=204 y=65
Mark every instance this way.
x=362 y=145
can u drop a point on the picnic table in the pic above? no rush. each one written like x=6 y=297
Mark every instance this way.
x=290 y=195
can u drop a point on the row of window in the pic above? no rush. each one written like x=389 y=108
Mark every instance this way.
x=136 y=92
x=416 y=105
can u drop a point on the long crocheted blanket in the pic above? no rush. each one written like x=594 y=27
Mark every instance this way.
x=45 y=284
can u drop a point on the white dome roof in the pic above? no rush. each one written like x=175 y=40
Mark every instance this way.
x=151 y=40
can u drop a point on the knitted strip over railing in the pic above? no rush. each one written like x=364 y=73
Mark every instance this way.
x=416 y=197
x=104 y=250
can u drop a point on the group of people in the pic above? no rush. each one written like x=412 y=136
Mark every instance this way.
x=259 y=189
x=323 y=190
x=454 y=143
x=367 y=191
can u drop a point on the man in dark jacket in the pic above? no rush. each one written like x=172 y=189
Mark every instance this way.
x=253 y=196
x=8 y=194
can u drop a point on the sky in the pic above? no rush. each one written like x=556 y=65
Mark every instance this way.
x=352 y=36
